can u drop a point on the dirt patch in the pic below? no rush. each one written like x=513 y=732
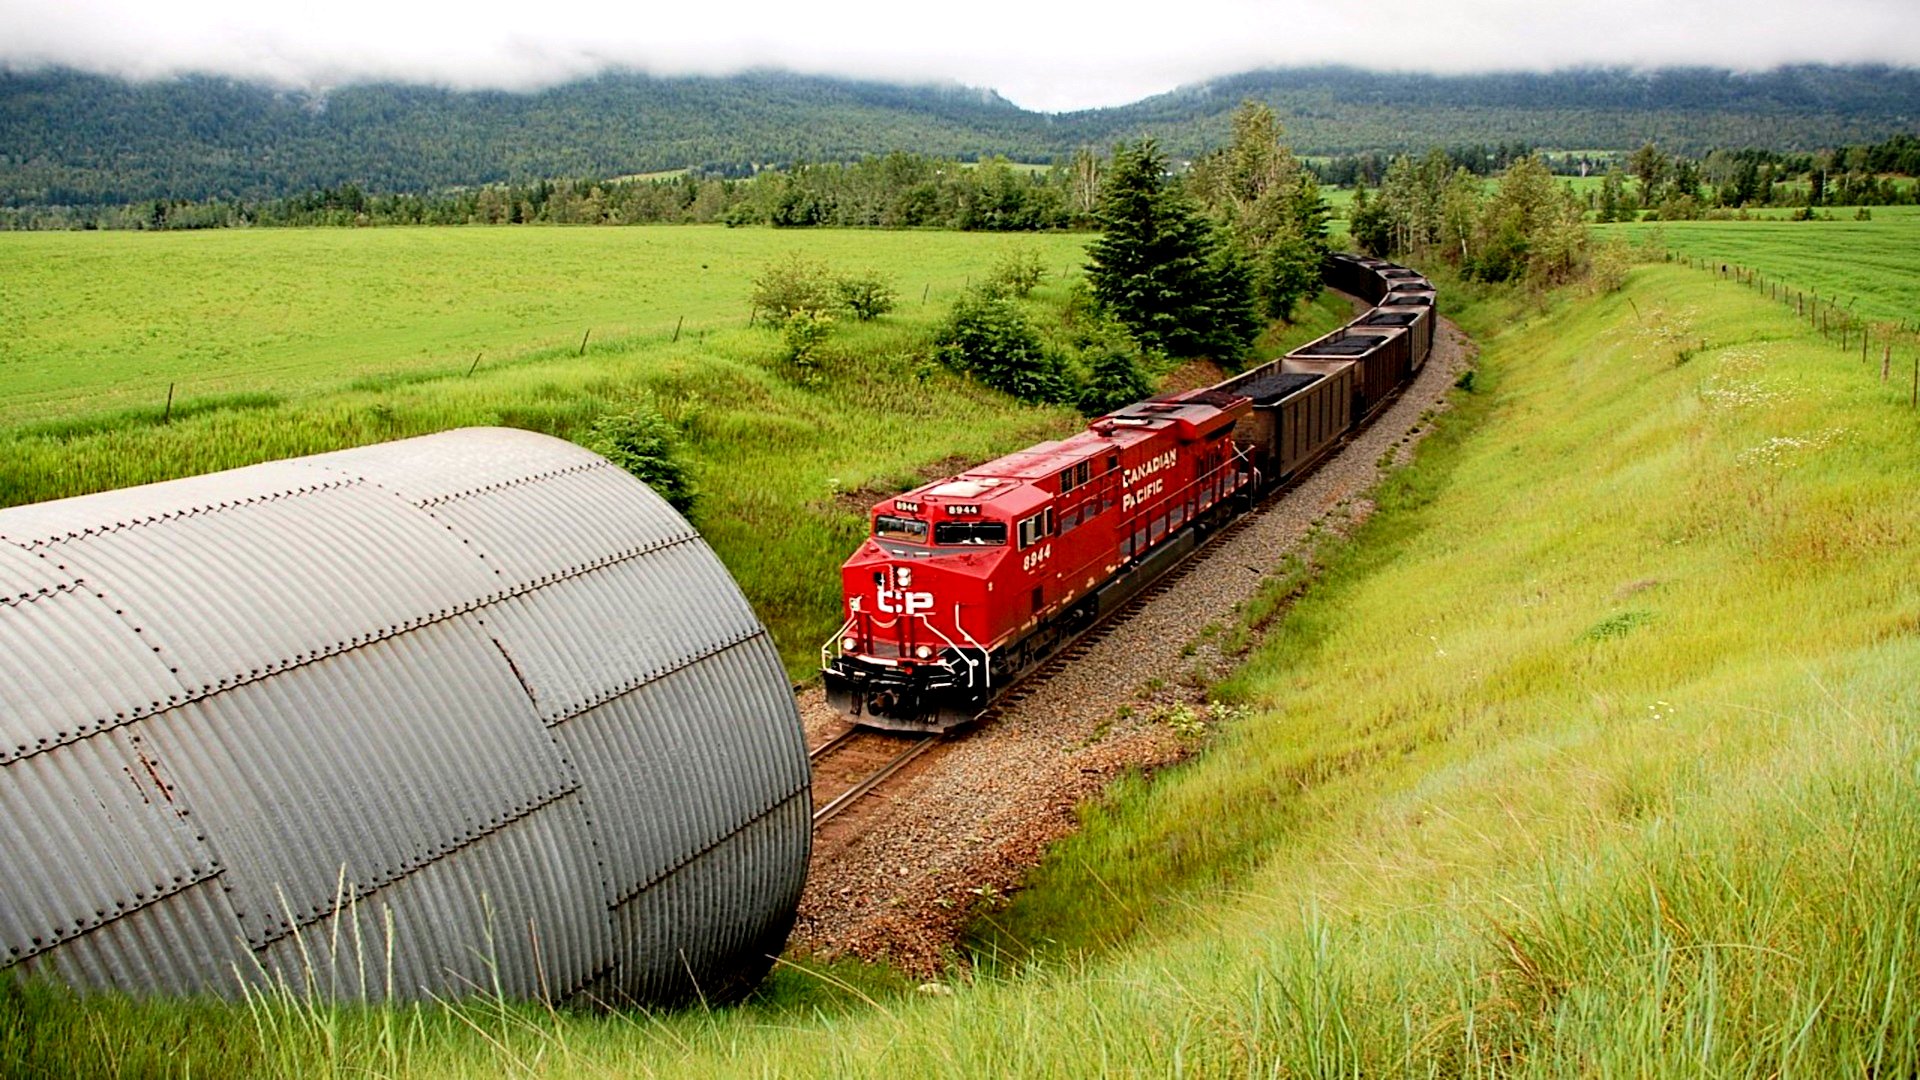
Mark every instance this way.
x=862 y=499
x=1192 y=375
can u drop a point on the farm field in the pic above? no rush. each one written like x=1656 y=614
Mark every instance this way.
x=95 y=321
x=370 y=335
x=1871 y=265
x=1593 y=752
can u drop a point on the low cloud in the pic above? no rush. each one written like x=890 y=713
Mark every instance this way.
x=1040 y=56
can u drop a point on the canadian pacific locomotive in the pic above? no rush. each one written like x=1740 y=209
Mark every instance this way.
x=965 y=584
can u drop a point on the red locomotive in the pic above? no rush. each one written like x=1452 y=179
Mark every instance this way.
x=966 y=583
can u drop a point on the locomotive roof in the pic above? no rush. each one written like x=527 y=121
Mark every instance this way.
x=1006 y=482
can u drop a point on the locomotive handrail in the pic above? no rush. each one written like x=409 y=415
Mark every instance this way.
x=986 y=666
x=951 y=644
x=834 y=641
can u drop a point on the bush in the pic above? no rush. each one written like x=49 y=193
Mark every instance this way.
x=1017 y=273
x=1608 y=270
x=866 y=295
x=797 y=283
x=989 y=336
x=642 y=442
x=804 y=331
x=794 y=283
x=1117 y=365
x=1116 y=380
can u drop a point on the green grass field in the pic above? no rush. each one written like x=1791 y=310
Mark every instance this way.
x=98 y=321
x=288 y=342
x=1873 y=266
x=1593 y=752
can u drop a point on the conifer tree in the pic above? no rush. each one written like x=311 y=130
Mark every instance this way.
x=1159 y=267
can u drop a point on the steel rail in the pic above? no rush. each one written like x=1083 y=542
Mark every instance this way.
x=832 y=744
x=873 y=780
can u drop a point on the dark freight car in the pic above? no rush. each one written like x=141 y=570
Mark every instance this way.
x=1384 y=356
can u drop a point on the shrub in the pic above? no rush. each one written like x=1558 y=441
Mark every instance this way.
x=794 y=283
x=804 y=331
x=642 y=442
x=1116 y=367
x=866 y=295
x=1608 y=270
x=989 y=336
x=1289 y=271
x=1017 y=273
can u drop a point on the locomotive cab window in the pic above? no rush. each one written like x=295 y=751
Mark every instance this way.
x=1035 y=528
x=888 y=527
x=970 y=533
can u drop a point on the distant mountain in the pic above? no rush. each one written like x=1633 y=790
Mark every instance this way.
x=74 y=139
x=1333 y=110
x=69 y=138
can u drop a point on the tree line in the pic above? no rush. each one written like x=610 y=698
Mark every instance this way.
x=897 y=190
x=1674 y=187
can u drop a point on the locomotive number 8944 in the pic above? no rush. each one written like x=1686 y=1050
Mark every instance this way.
x=967 y=583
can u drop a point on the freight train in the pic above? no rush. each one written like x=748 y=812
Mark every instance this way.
x=967 y=583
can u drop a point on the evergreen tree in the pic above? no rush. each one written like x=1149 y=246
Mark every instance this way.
x=989 y=336
x=1160 y=268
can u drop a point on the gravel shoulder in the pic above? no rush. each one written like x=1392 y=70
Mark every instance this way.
x=969 y=819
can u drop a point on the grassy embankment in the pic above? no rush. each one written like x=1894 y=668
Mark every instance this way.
x=286 y=342
x=1593 y=752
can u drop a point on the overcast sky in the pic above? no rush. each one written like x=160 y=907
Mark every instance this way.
x=1041 y=54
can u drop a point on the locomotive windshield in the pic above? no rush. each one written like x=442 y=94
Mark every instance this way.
x=970 y=532
x=888 y=527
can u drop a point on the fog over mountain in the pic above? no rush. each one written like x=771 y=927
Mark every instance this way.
x=1050 y=57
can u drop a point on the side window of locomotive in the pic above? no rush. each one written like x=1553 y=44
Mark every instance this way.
x=888 y=527
x=970 y=533
x=1031 y=529
x=1066 y=480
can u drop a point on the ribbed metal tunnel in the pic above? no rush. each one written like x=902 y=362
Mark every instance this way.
x=470 y=712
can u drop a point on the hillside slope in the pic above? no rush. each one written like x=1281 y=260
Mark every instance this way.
x=72 y=139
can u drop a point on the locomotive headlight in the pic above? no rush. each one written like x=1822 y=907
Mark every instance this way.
x=903 y=576
x=848 y=644
x=923 y=652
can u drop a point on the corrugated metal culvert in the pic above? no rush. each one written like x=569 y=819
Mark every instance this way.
x=470 y=712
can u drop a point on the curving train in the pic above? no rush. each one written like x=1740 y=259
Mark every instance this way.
x=967 y=583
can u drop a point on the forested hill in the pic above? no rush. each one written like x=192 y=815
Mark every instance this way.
x=1335 y=110
x=73 y=139
x=68 y=138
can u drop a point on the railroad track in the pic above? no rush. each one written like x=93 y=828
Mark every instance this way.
x=853 y=763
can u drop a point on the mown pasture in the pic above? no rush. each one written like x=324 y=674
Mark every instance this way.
x=286 y=342
x=1870 y=266
x=1593 y=752
x=102 y=321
